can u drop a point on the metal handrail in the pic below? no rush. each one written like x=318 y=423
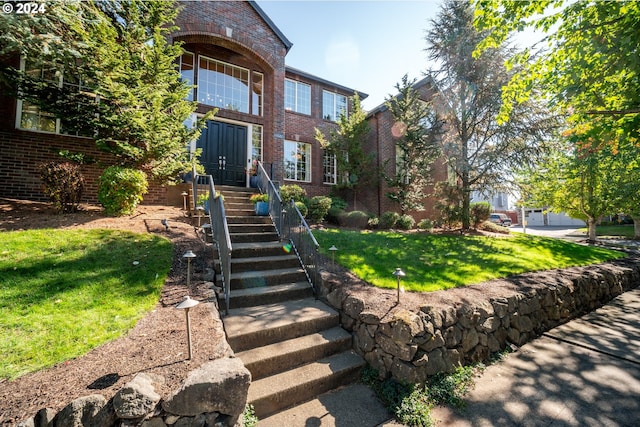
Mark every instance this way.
x=219 y=231
x=292 y=227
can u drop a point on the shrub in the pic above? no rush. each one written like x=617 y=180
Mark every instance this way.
x=293 y=191
x=373 y=222
x=354 y=219
x=405 y=222
x=121 y=189
x=480 y=212
x=425 y=224
x=302 y=208
x=334 y=214
x=63 y=183
x=494 y=228
x=319 y=207
x=338 y=203
x=388 y=220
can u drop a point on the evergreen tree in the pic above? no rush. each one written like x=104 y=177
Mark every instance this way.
x=416 y=130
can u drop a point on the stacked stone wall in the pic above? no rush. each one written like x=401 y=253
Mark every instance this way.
x=462 y=326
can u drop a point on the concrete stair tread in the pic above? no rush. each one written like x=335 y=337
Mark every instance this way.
x=302 y=381
x=235 y=293
x=295 y=345
x=265 y=273
x=269 y=258
x=258 y=245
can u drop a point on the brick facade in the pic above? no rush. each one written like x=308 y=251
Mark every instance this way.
x=237 y=33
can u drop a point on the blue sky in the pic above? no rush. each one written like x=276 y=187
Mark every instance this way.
x=365 y=45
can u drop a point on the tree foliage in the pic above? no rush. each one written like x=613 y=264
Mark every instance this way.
x=479 y=150
x=588 y=61
x=416 y=130
x=355 y=167
x=132 y=100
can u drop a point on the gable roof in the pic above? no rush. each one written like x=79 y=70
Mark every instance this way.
x=271 y=25
x=383 y=107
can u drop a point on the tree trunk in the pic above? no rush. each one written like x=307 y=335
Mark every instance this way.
x=636 y=227
x=591 y=224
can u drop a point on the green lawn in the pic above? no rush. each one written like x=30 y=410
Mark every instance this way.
x=613 y=231
x=64 y=292
x=434 y=262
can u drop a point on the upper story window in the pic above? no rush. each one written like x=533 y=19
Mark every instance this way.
x=297 y=97
x=223 y=85
x=31 y=117
x=257 y=86
x=297 y=161
x=333 y=105
x=186 y=70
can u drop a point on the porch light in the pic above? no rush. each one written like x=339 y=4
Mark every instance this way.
x=189 y=255
x=185 y=305
x=398 y=273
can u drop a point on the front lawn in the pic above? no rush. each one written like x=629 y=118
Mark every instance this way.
x=64 y=292
x=624 y=231
x=433 y=262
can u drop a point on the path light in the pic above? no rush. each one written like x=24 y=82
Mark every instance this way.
x=333 y=250
x=200 y=213
x=185 y=305
x=399 y=273
x=189 y=255
x=165 y=223
x=184 y=200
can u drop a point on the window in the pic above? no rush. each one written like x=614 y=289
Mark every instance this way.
x=329 y=168
x=29 y=116
x=297 y=161
x=186 y=70
x=333 y=105
x=256 y=93
x=297 y=97
x=223 y=85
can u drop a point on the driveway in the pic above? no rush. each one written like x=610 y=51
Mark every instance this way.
x=560 y=232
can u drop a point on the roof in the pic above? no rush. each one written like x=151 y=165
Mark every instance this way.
x=271 y=25
x=383 y=107
x=325 y=82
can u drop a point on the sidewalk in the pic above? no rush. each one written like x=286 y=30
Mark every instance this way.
x=583 y=373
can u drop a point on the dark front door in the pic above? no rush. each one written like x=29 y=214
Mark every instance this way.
x=224 y=152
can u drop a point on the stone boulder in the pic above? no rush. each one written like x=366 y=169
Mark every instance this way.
x=137 y=398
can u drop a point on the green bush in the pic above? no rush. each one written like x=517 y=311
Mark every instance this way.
x=319 y=207
x=425 y=224
x=479 y=212
x=334 y=214
x=388 y=220
x=405 y=222
x=63 y=183
x=354 y=219
x=292 y=191
x=121 y=189
x=302 y=208
x=494 y=228
x=373 y=222
x=338 y=203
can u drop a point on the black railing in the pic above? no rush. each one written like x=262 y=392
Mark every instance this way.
x=219 y=228
x=292 y=228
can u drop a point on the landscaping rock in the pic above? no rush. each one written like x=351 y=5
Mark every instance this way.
x=92 y=410
x=137 y=398
x=218 y=386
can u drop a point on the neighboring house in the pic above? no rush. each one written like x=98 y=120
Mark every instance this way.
x=235 y=57
x=536 y=217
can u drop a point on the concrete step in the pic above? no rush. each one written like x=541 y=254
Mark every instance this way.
x=258 y=249
x=262 y=278
x=355 y=405
x=253 y=237
x=252 y=228
x=240 y=211
x=249 y=219
x=272 y=394
x=252 y=327
x=269 y=294
x=239 y=265
x=276 y=358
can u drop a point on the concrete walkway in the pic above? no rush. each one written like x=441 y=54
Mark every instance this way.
x=583 y=373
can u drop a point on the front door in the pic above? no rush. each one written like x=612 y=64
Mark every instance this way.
x=224 y=152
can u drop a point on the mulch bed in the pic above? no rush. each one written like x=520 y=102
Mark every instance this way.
x=158 y=342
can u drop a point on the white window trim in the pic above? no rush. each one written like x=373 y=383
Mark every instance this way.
x=197 y=99
x=335 y=169
x=296 y=108
x=335 y=113
x=19 y=105
x=310 y=162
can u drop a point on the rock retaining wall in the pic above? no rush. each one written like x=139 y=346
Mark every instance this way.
x=214 y=395
x=435 y=333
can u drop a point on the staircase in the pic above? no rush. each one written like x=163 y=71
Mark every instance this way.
x=291 y=342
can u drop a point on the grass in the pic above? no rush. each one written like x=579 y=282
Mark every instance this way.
x=65 y=292
x=435 y=262
x=613 y=231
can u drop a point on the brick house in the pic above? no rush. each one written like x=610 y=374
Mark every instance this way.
x=235 y=56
